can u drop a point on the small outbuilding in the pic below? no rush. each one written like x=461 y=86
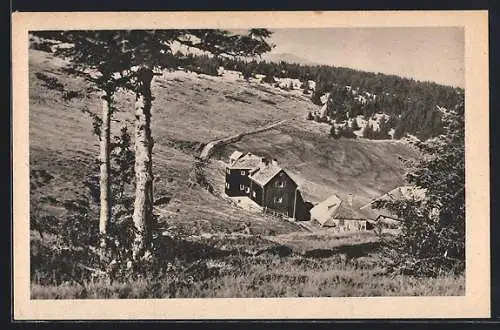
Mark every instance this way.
x=384 y=216
x=341 y=215
x=235 y=156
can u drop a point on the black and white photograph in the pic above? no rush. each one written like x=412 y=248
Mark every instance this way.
x=257 y=161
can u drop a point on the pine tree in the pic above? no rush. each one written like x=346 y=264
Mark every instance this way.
x=305 y=87
x=105 y=61
x=269 y=79
x=354 y=124
x=335 y=132
x=368 y=132
x=316 y=98
x=383 y=131
x=136 y=54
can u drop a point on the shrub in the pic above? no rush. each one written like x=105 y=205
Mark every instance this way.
x=348 y=133
x=432 y=239
x=354 y=124
x=334 y=132
x=50 y=82
x=69 y=95
x=44 y=46
x=269 y=79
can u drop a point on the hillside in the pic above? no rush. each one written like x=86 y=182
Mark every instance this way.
x=211 y=253
x=410 y=104
x=188 y=109
x=323 y=166
x=193 y=109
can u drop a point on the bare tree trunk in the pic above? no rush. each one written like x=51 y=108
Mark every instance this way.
x=105 y=205
x=143 y=205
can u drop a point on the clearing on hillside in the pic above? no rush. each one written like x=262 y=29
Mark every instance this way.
x=214 y=248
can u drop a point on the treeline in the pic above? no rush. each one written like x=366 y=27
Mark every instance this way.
x=411 y=105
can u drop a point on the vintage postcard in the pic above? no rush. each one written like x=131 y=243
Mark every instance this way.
x=251 y=165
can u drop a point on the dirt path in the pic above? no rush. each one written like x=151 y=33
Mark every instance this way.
x=208 y=149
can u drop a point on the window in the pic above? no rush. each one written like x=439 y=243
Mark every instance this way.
x=278 y=200
x=280 y=184
x=243 y=173
x=227 y=185
x=242 y=187
x=228 y=171
x=254 y=194
x=247 y=190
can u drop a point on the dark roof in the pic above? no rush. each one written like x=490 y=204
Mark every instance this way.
x=265 y=173
x=249 y=161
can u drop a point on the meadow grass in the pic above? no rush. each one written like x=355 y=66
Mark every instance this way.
x=191 y=110
x=242 y=273
x=280 y=277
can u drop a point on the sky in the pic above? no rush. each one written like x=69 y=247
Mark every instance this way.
x=423 y=53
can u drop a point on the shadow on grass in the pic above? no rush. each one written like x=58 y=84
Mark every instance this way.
x=188 y=250
x=350 y=251
x=278 y=250
x=191 y=250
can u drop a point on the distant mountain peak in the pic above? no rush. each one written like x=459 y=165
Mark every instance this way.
x=286 y=57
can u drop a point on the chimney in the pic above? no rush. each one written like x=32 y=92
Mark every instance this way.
x=274 y=162
x=264 y=161
x=349 y=200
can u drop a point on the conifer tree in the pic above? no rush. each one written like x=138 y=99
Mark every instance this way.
x=101 y=63
x=135 y=55
x=368 y=131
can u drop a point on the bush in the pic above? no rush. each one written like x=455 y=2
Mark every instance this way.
x=269 y=79
x=43 y=46
x=348 y=133
x=69 y=95
x=354 y=125
x=432 y=239
x=334 y=132
x=50 y=82
x=368 y=131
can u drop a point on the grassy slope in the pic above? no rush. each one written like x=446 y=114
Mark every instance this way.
x=323 y=165
x=196 y=109
x=62 y=143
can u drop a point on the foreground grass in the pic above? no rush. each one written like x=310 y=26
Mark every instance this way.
x=243 y=275
x=340 y=283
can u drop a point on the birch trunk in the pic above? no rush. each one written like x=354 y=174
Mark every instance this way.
x=143 y=205
x=105 y=189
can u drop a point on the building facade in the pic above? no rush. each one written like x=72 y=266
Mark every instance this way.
x=264 y=182
x=275 y=192
x=340 y=215
x=237 y=174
